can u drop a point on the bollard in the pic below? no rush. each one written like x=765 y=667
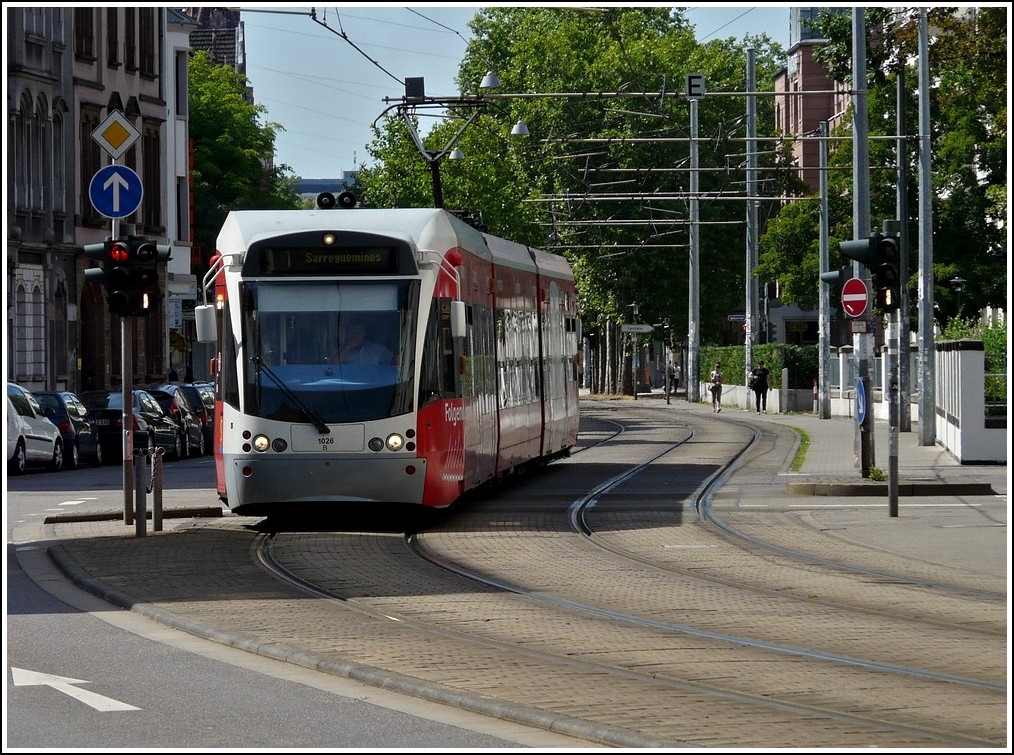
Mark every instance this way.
x=140 y=492
x=816 y=401
x=156 y=484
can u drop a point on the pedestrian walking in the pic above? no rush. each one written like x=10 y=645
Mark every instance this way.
x=674 y=374
x=716 y=388
x=759 y=383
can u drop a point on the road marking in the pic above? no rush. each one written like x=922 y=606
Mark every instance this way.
x=24 y=678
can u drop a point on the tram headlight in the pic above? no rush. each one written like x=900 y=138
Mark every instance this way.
x=261 y=443
x=376 y=444
x=395 y=442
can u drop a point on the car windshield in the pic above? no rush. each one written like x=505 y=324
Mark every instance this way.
x=102 y=399
x=49 y=401
x=163 y=398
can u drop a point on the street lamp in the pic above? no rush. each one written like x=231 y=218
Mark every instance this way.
x=958 y=284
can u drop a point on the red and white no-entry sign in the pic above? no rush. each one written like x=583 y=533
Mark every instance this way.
x=854 y=297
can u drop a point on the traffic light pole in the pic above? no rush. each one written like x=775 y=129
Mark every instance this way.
x=127 y=379
x=126 y=412
x=894 y=324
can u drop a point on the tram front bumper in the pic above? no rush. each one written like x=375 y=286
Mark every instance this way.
x=260 y=479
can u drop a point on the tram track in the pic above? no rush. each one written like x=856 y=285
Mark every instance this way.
x=582 y=601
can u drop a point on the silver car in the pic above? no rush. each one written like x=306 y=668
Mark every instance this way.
x=32 y=438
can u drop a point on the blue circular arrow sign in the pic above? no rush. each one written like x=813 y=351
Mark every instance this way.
x=860 y=401
x=115 y=191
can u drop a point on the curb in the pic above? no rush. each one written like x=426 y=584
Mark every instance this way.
x=842 y=488
x=109 y=516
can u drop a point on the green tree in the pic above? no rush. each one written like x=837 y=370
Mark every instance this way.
x=969 y=146
x=233 y=153
x=601 y=179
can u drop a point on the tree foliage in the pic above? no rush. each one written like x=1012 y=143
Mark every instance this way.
x=602 y=179
x=233 y=152
x=968 y=147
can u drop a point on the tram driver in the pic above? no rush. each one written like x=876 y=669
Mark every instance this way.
x=356 y=348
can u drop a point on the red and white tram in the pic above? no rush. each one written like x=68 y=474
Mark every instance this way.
x=473 y=373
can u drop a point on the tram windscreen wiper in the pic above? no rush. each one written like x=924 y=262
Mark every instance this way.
x=306 y=411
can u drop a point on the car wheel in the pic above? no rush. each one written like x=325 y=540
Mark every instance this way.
x=72 y=457
x=201 y=448
x=97 y=458
x=177 y=448
x=18 y=461
x=56 y=463
x=184 y=445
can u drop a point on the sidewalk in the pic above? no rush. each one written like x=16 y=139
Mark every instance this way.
x=831 y=463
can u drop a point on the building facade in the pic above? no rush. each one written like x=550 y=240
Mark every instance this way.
x=42 y=284
x=68 y=69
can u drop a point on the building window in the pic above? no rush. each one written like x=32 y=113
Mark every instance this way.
x=28 y=191
x=58 y=151
x=113 y=37
x=182 y=91
x=151 y=147
x=29 y=347
x=84 y=33
x=35 y=22
x=182 y=208
x=148 y=42
x=91 y=161
x=22 y=183
x=130 y=38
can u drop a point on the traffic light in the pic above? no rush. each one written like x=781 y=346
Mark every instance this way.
x=881 y=253
x=836 y=278
x=863 y=251
x=145 y=255
x=887 y=274
x=99 y=253
x=119 y=277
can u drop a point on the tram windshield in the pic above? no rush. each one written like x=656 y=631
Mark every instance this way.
x=328 y=351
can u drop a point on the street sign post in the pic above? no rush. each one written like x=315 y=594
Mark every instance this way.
x=636 y=327
x=854 y=297
x=115 y=191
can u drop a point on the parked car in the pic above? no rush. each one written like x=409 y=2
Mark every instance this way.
x=175 y=403
x=202 y=401
x=32 y=438
x=152 y=426
x=80 y=441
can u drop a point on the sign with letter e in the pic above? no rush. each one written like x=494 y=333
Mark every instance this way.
x=695 y=85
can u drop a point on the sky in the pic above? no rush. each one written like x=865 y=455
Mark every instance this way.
x=325 y=80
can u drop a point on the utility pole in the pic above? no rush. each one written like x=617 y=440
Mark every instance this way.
x=904 y=379
x=751 y=205
x=695 y=90
x=861 y=225
x=927 y=357
x=824 y=315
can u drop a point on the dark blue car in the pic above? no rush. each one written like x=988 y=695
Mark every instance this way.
x=152 y=426
x=71 y=416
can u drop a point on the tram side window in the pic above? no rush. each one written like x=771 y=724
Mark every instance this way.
x=228 y=378
x=436 y=378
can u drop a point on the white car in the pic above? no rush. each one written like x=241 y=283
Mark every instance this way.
x=32 y=438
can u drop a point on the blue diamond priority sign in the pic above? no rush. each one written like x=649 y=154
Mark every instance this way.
x=115 y=191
